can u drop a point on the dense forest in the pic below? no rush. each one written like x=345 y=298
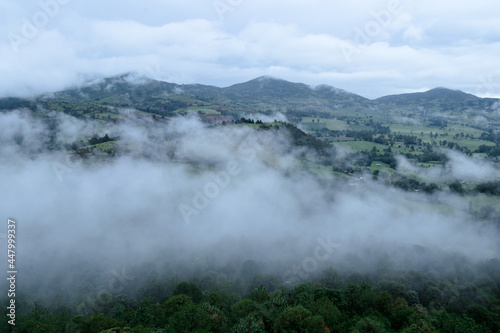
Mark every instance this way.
x=464 y=297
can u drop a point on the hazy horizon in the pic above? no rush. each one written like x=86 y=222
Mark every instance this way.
x=371 y=49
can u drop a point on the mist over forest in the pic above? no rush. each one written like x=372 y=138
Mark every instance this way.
x=121 y=209
x=233 y=166
x=183 y=199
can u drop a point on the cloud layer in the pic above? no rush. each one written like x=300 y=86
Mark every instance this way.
x=373 y=49
x=182 y=190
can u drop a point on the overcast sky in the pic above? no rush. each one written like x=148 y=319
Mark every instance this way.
x=372 y=48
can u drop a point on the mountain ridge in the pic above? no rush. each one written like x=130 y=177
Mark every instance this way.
x=262 y=95
x=266 y=79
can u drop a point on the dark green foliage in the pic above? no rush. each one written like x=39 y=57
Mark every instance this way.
x=249 y=324
x=218 y=318
x=243 y=307
x=96 y=139
x=484 y=317
x=303 y=294
x=401 y=313
x=11 y=103
x=331 y=314
x=95 y=323
x=259 y=295
x=355 y=296
x=491 y=188
x=188 y=318
x=456 y=187
x=453 y=323
x=39 y=320
x=299 y=320
x=172 y=304
x=301 y=139
x=369 y=325
x=189 y=289
x=409 y=302
x=218 y=299
x=431 y=156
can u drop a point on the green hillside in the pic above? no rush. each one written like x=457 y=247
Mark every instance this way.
x=421 y=126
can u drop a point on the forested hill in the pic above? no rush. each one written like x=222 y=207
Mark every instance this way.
x=262 y=95
x=420 y=126
x=439 y=98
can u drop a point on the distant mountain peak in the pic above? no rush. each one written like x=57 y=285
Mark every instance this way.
x=268 y=78
x=444 y=89
x=450 y=93
x=327 y=87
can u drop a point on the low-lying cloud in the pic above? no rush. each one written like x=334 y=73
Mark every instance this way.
x=245 y=190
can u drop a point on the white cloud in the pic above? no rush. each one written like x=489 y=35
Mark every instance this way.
x=414 y=33
x=188 y=42
x=458 y=166
x=471 y=168
x=128 y=208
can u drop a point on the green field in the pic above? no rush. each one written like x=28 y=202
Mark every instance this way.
x=331 y=124
x=360 y=145
x=203 y=110
x=310 y=126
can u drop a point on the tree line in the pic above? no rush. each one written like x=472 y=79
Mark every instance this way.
x=389 y=302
